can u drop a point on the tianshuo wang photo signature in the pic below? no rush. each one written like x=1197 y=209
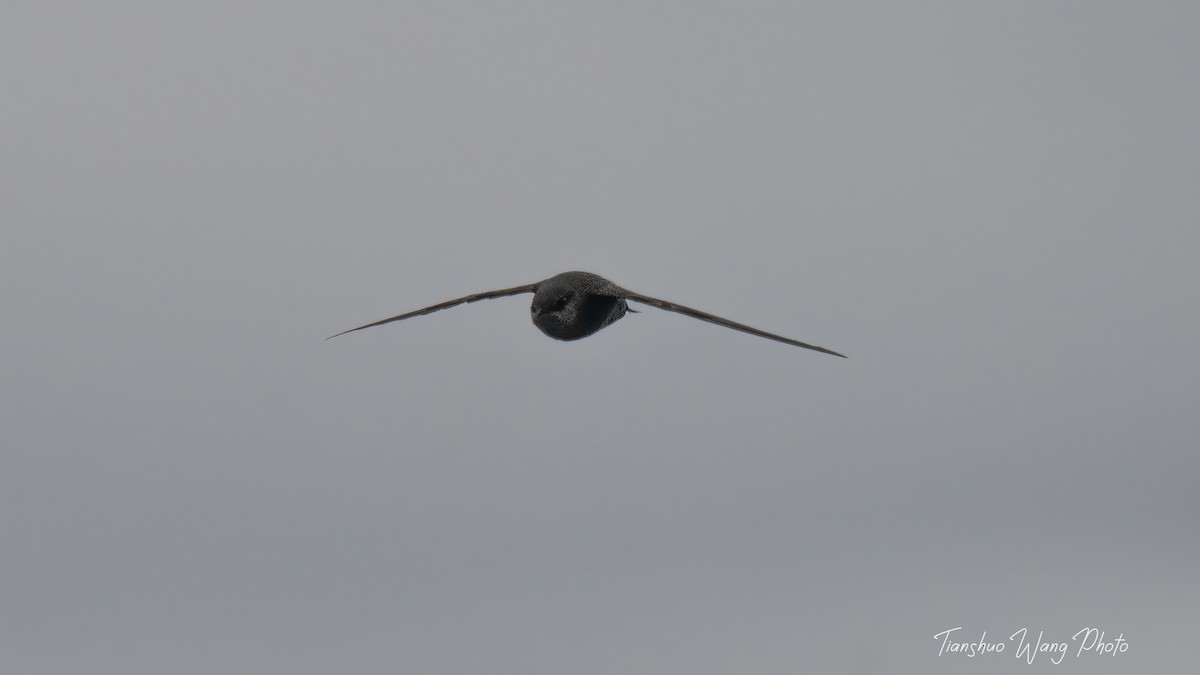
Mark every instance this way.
x=1024 y=645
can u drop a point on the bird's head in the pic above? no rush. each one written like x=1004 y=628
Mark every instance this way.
x=556 y=310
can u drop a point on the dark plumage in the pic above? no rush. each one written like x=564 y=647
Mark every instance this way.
x=574 y=305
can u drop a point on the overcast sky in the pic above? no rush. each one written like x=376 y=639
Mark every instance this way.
x=991 y=208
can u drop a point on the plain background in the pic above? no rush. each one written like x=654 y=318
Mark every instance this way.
x=991 y=208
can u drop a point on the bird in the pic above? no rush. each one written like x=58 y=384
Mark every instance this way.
x=574 y=305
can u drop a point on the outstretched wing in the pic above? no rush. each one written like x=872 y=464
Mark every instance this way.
x=486 y=295
x=705 y=316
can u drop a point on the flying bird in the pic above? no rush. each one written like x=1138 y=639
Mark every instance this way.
x=573 y=305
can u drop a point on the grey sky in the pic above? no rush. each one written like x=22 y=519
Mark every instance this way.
x=991 y=208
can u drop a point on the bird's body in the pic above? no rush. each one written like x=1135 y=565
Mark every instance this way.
x=574 y=305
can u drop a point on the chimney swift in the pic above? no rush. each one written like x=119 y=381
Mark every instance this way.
x=573 y=305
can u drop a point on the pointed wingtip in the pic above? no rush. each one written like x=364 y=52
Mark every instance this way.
x=816 y=348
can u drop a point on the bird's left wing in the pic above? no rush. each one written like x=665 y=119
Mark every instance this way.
x=486 y=295
x=705 y=316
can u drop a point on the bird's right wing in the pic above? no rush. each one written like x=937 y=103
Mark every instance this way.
x=486 y=295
